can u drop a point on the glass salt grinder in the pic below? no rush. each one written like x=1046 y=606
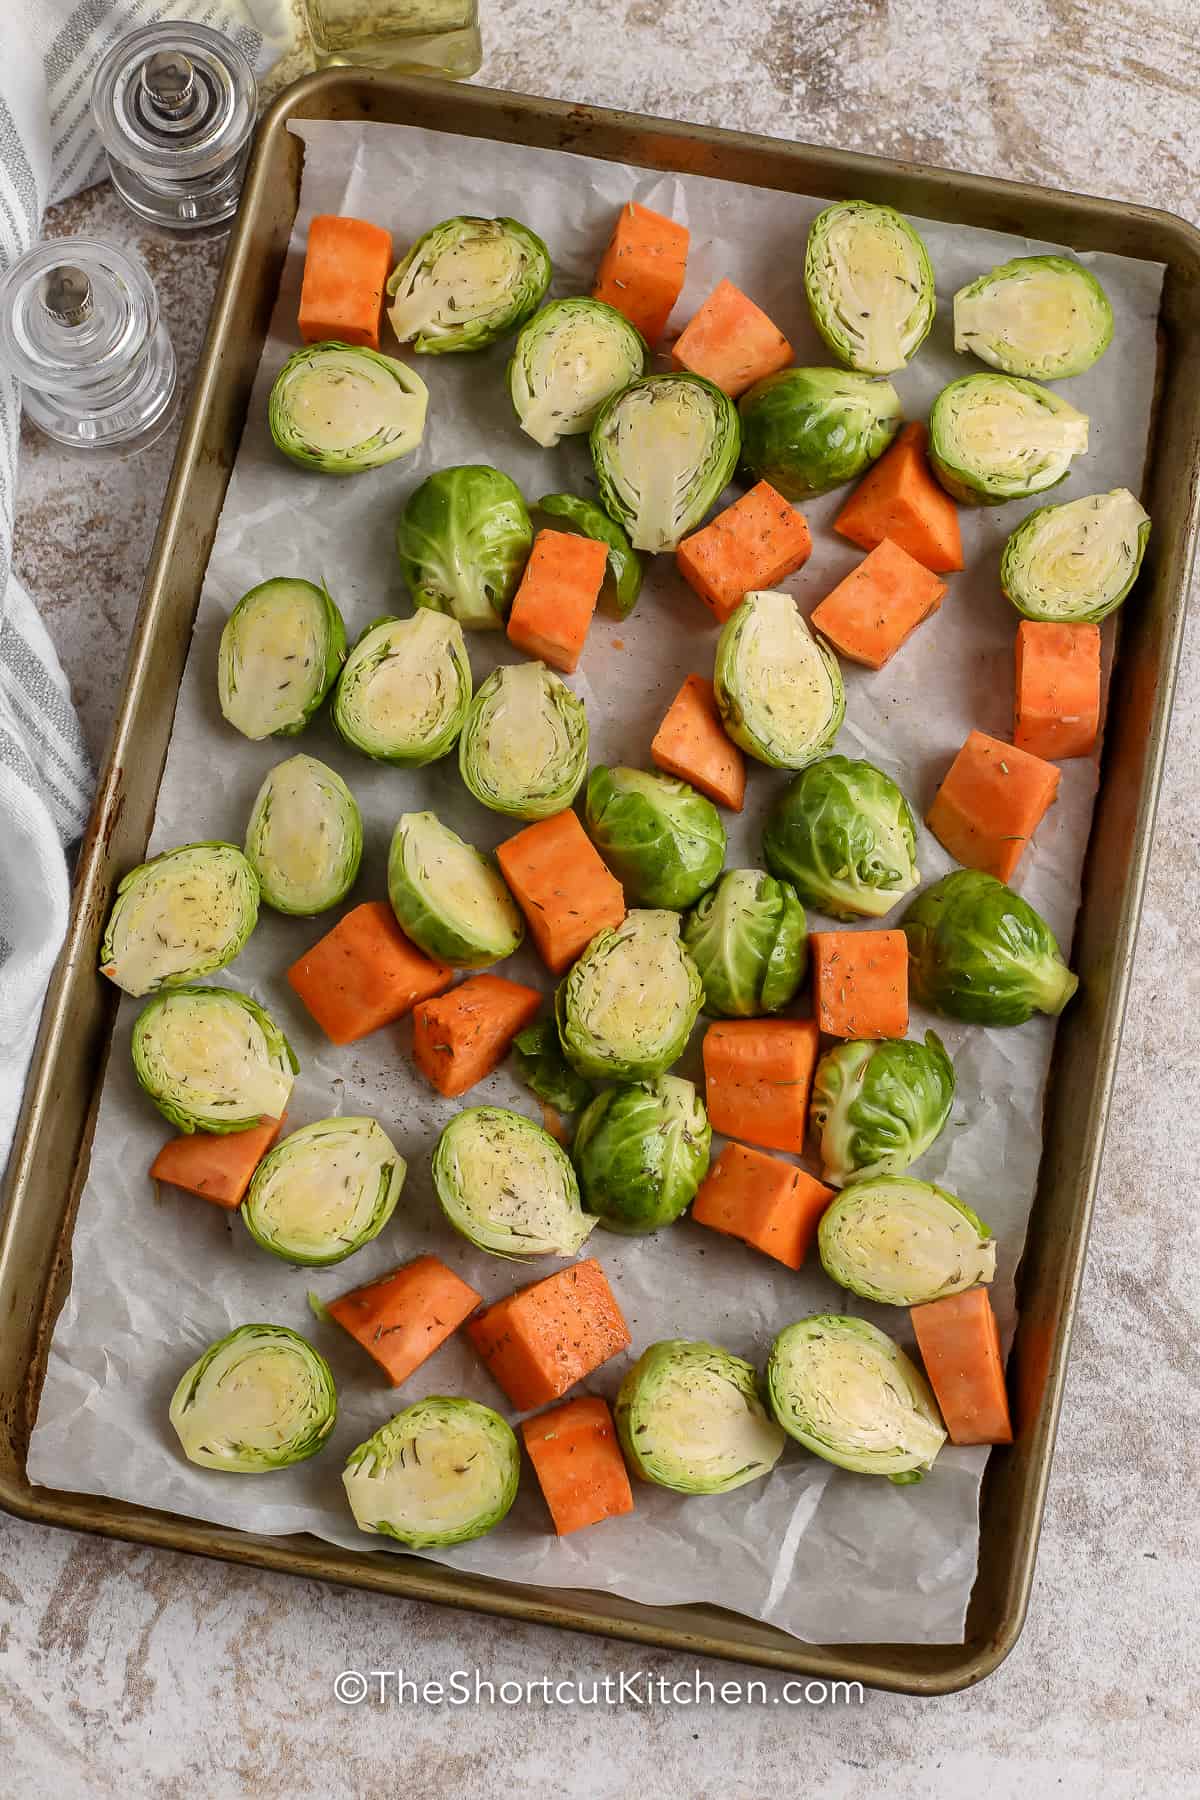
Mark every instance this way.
x=79 y=327
x=174 y=106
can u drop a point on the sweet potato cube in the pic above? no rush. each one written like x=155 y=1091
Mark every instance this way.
x=346 y=266
x=769 y=1204
x=731 y=341
x=991 y=802
x=752 y=545
x=578 y=1463
x=562 y=885
x=217 y=1168
x=554 y=604
x=1057 y=713
x=860 y=983
x=460 y=1037
x=691 y=743
x=641 y=272
x=960 y=1347
x=902 y=499
x=544 y=1338
x=365 y=974
x=757 y=1076
x=401 y=1319
x=877 y=606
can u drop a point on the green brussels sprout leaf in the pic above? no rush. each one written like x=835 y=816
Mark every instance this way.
x=545 y=1071
x=623 y=576
x=749 y=939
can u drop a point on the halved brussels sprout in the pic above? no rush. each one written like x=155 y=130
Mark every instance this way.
x=623 y=576
x=404 y=692
x=448 y=897
x=463 y=539
x=994 y=438
x=185 y=913
x=568 y=360
x=1076 y=561
x=749 y=939
x=541 y=1065
x=901 y=1242
x=467 y=282
x=304 y=839
x=844 y=1390
x=506 y=1185
x=280 y=652
x=978 y=952
x=259 y=1398
x=808 y=430
x=778 y=686
x=869 y=283
x=878 y=1105
x=689 y=1418
x=1042 y=316
x=212 y=1059
x=843 y=834
x=663 y=841
x=441 y=1472
x=341 y=408
x=324 y=1191
x=626 y=1009
x=524 y=747
x=641 y=1153
x=663 y=450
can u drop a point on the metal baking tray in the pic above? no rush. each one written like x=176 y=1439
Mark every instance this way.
x=51 y=1154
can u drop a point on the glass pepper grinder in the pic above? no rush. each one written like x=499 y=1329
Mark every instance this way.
x=174 y=106
x=79 y=327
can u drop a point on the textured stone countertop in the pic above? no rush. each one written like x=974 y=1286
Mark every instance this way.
x=133 y=1673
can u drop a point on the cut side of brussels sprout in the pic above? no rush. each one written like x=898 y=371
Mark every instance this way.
x=404 y=692
x=994 y=438
x=1077 y=561
x=212 y=1059
x=441 y=1472
x=903 y=1242
x=281 y=649
x=779 y=688
x=184 y=914
x=978 y=952
x=1041 y=316
x=663 y=841
x=749 y=939
x=689 y=1418
x=467 y=282
x=449 y=898
x=506 y=1185
x=341 y=408
x=869 y=283
x=626 y=1009
x=568 y=360
x=623 y=576
x=304 y=839
x=808 y=430
x=844 y=1390
x=324 y=1191
x=261 y=1398
x=878 y=1105
x=524 y=747
x=663 y=450
x=843 y=834
x=463 y=539
x=641 y=1153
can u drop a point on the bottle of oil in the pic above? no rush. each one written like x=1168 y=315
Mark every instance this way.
x=427 y=37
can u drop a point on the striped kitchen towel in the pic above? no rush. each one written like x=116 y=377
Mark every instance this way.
x=48 y=150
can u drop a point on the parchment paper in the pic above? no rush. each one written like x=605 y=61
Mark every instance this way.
x=825 y=1555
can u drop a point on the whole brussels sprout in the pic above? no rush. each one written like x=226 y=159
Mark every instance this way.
x=447 y=897
x=404 y=692
x=844 y=1390
x=980 y=953
x=869 y=283
x=259 y=1398
x=663 y=841
x=877 y=1105
x=212 y=1059
x=304 y=838
x=844 y=835
x=994 y=438
x=342 y=408
x=507 y=1186
x=569 y=359
x=902 y=1242
x=778 y=687
x=463 y=539
x=467 y=282
x=1076 y=561
x=689 y=1418
x=186 y=913
x=749 y=939
x=541 y=1065
x=626 y=1009
x=808 y=430
x=443 y=1471
x=641 y=1152
x=324 y=1191
x=1041 y=316
x=280 y=652
x=663 y=450
x=524 y=747
x=623 y=577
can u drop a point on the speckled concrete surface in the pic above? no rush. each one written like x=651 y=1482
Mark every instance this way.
x=125 y=1672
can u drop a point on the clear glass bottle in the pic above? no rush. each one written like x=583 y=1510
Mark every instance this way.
x=175 y=106
x=79 y=327
x=428 y=37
